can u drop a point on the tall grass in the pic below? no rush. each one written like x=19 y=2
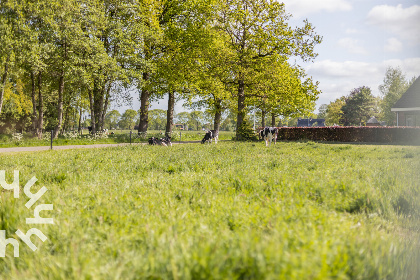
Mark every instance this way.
x=226 y=211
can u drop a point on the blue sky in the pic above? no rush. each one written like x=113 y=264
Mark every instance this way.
x=361 y=38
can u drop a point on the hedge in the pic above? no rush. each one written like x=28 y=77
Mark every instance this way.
x=397 y=135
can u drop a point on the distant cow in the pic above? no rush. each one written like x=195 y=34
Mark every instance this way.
x=209 y=136
x=268 y=134
x=160 y=141
x=103 y=130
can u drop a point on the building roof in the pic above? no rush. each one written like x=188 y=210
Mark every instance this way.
x=373 y=120
x=410 y=100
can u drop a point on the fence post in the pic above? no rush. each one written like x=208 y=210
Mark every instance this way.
x=130 y=137
x=52 y=135
x=180 y=135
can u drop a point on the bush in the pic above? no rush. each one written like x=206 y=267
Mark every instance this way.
x=406 y=135
x=246 y=132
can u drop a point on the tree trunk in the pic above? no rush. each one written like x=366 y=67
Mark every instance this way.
x=144 y=107
x=98 y=95
x=66 y=118
x=40 y=107
x=217 y=114
x=273 y=120
x=103 y=115
x=59 y=106
x=263 y=118
x=3 y=84
x=33 y=93
x=170 y=114
x=92 y=112
x=241 y=107
x=80 y=120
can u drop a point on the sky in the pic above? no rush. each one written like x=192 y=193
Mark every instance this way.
x=361 y=38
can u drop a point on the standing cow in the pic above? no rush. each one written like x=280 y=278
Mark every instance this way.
x=269 y=134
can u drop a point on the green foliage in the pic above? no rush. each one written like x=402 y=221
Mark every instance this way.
x=358 y=108
x=229 y=211
x=394 y=86
x=245 y=132
x=128 y=119
x=322 y=111
x=111 y=119
x=260 y=42
x=334 y=112
x=157 y=119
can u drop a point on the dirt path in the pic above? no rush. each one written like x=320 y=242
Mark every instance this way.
x=45 y=148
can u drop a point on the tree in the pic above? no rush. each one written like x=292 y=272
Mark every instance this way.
x=8 y=30
x=157 y=119
x=197 y=118
x=112 y=118
x=392 y=89
x=182 y=118
x=128 y=119
x=358 y=107
x=333 y=113
x=322 y=111
x=156 y=43
x=256 y=31
x=17 y=107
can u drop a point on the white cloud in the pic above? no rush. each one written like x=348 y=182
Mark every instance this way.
x=339 y=78
x=402 y=22
x=302 y=8
x=328 y=69
x=351 y=31
x=393 y=45
x=352 y=45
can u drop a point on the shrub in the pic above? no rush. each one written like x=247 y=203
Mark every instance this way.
x=246 y=132
x=409 y=135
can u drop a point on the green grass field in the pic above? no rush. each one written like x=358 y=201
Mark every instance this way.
x=229 y=211
x=120 y=136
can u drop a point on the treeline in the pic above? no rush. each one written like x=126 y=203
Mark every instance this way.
x=59 y=59
x=194 y=120
x=360 y=105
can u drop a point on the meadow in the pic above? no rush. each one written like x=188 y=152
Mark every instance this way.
x=295 y=210
x=119 y=136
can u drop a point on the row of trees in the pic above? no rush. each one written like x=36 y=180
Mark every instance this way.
x=59 y=59
x=360 y=105
x=195 y=120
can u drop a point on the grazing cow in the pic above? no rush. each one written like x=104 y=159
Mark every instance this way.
x=209 y=136
x=268 y=134
x=160 y=141
x=166 y=141
x=103 y=130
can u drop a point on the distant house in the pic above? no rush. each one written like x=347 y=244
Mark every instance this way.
x=179 y=126
x=407 y=107
x=373 y=122
x=310 y=122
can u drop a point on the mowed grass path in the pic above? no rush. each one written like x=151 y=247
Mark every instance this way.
x=225 y=211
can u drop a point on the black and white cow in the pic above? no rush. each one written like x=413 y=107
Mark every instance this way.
x=209 y=136
x=105 y=130
x=269 y=134
x=160 y=141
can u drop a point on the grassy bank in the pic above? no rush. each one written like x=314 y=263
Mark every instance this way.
x=226 y=211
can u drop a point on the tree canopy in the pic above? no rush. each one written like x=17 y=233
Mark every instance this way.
x=68 y=58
